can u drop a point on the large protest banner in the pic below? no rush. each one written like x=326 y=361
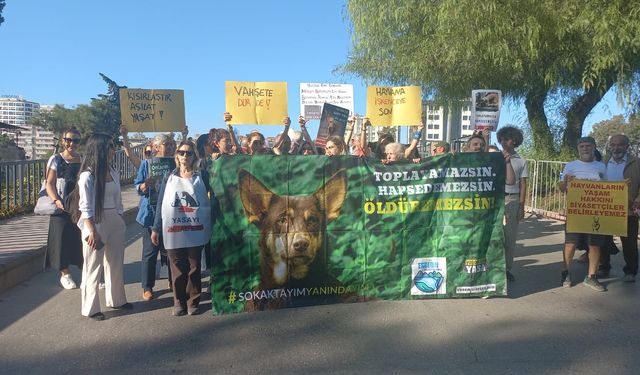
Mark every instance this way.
x=485 y=109
x=293 y=231
x=314 y=95
x=394 y=106
x=263 y=103
x=153 y=110
x=597 y=207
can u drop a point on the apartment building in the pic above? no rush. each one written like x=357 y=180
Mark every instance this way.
x=15 y=110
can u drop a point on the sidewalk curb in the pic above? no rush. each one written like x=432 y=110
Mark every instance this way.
x=29 y=263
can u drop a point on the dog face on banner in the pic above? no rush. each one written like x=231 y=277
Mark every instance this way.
x=291 y=227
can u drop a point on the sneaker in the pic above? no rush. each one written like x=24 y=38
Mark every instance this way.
x=193 y=311
x=584 y=258
x=602 y=273
x=593 y=283
x=566 y=279
x=510 y=276
x=101 y=286
x=147 y=295
x=67 y=282
x=164 y=272
x=629 y=278
x=178 y=311
x=97 y=316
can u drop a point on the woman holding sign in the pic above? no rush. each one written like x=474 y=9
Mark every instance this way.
x=183 y=221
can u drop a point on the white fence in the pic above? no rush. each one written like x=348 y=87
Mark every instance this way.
x=543 y=194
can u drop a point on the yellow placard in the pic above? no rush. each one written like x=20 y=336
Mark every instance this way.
x=263 y=103
x=394 y=106
x=597 y=207
x=143 y=110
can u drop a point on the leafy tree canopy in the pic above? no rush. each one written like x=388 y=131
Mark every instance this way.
x=532 y=50
x=102 y=115
x=617 y=125
x=2 y=4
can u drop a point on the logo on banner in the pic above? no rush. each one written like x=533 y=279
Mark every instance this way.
x=428 y=276
x=184 y=202
x=475 y=265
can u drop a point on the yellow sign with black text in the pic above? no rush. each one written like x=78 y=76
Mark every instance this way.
x=394 y=106
x=597 y=207
x=143 y=110
x=262 y=103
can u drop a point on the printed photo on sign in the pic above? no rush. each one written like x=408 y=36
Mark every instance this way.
x=485 y=109
x=333 y=123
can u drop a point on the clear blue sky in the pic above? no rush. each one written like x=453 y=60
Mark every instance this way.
x=54 y=50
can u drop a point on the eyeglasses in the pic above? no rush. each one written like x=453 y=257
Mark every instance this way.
x=184 y=152
x=148 y=152
x=72 y=140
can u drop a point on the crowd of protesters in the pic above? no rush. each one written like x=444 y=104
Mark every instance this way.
x=92 y=238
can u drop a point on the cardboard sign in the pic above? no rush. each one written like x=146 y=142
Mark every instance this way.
x=154 y=110
x=485 y=109
x=394 y=106
x=262 y=103
x=597 y=207
x=332 y=122
x=314 y=95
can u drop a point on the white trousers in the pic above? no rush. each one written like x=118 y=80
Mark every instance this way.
x=111 y=257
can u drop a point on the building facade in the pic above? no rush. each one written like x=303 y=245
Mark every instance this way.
x=36 y=142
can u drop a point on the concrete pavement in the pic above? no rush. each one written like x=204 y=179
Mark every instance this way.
x=539 y=328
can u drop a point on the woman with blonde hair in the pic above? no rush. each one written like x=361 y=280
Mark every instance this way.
x=183 y=222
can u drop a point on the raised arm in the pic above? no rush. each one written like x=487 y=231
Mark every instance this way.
x=135 y=160
x=417 y=136
x=235 y=145
x=305 y=134
x=277 y=149
x=349 y=133
x=363 y=137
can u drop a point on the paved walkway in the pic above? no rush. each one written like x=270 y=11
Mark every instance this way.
x=541 y=328
x=23 y=241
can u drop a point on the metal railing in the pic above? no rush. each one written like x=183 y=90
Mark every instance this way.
x=21 y=181
x=543 y=193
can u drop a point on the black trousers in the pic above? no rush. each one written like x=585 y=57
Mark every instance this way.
x=629 y=248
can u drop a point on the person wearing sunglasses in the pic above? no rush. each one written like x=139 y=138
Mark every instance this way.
x=183 y=222
x=64 y=246
x=103 y=229
x=147 y=183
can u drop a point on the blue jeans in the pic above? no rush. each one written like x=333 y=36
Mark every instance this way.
x=149 y=259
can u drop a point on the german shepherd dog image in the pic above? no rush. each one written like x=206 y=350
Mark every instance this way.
x=292 y=230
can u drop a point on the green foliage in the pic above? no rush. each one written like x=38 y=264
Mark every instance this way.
x=537 y=50
x=616 y=125
x=101 y=115
x=5 y=140
x=2 y=4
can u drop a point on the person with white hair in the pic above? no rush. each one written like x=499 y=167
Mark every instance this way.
x=147 y=184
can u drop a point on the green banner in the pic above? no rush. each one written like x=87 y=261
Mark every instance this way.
x=304 y=230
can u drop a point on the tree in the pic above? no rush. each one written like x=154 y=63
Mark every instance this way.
x=2 y=4
x=616 y=125
x=5 y=140
x=535 y=51
x=101 y=115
